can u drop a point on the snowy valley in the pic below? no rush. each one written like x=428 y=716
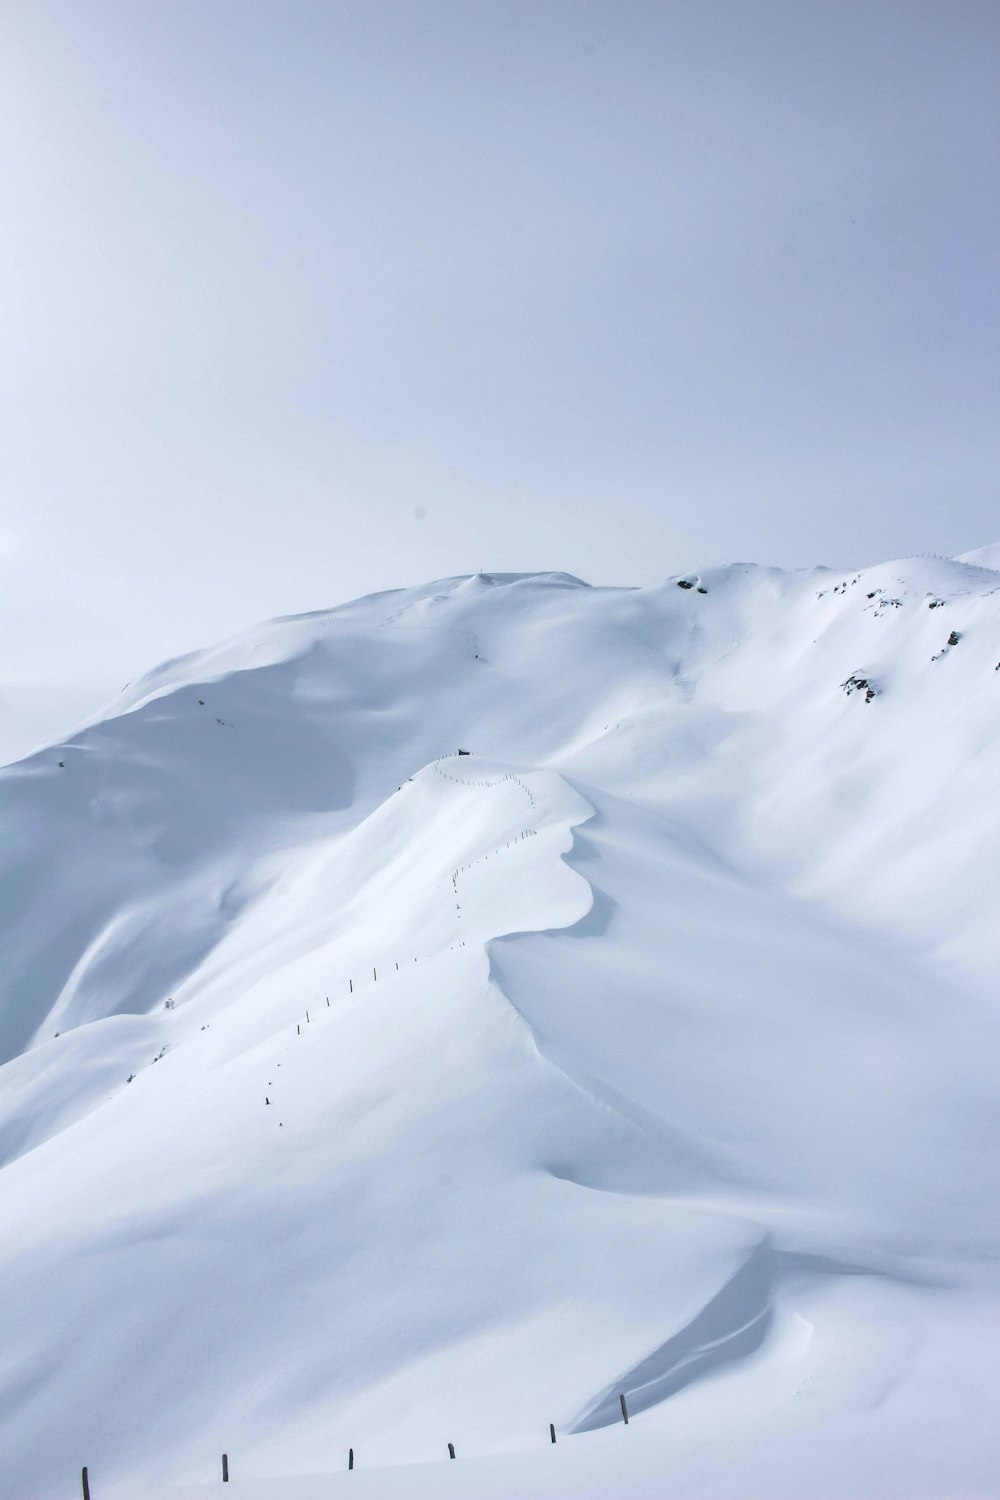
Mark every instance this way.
x=358 y=1093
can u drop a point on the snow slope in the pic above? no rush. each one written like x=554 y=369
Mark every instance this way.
x=358 y=1093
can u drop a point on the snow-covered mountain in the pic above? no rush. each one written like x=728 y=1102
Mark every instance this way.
x=361 y=1092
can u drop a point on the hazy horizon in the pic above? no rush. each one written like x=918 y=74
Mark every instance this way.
x=307 y=300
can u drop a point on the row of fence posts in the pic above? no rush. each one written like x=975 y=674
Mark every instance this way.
x=527 y=831
x=350 y=1452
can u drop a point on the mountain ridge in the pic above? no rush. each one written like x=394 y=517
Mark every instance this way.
x=611 y=1050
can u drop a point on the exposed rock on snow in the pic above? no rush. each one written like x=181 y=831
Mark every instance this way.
x=858 y=684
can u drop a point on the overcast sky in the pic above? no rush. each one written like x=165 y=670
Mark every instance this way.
x=306 y=298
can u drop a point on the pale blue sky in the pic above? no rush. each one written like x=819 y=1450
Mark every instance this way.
x=302 y=300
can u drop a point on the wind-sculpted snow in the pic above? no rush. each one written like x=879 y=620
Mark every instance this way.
x=359 y=1092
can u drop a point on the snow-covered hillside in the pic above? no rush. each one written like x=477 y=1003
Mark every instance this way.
x=360 y=1093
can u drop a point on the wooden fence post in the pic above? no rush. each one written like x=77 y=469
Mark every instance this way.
x=86 y=1484
x=451 y=1450
x=624 y=1408
x=225 y=1468
x=552 y=1431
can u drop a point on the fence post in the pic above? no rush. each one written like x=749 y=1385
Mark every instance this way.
x=86 y=1484
x=552 y=1431
x=624 y=1408
x=350 y=1458
x=451 y=1450
x=225 y=1468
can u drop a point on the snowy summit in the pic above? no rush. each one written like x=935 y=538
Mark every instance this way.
x=445 y=1016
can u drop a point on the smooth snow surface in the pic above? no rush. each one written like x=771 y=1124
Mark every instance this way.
x=359 y=1093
